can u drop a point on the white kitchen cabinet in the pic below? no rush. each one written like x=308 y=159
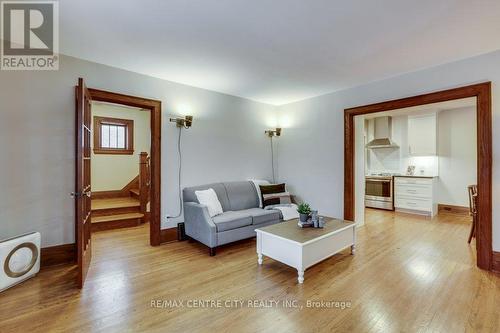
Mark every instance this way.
x=415 y=195
x=422 y=135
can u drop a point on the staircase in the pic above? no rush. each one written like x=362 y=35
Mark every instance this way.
x=125 y=208
x=115 y=213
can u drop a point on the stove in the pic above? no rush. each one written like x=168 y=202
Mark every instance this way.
x=379 y=190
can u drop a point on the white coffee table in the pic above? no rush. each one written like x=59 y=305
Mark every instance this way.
x=303 y=247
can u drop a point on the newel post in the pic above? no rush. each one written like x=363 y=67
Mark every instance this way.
x=144 y=181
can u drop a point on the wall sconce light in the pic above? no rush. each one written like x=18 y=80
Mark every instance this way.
x=180 y=123
x=275 y=132
x=185 y=122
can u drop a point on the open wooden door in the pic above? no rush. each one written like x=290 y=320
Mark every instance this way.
x=82 y=182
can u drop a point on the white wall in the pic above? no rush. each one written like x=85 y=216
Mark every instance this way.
x=457 y=149
x=37 y=141
x=312 y=153
x=111 y=171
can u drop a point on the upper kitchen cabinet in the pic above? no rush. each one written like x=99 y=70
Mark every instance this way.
x=422 y=136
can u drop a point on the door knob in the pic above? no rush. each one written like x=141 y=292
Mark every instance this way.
x=78 y=194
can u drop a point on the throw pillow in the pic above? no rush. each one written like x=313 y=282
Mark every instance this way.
x=209 y=199
x=274 y=194
x=256 y=184
x=282 y=198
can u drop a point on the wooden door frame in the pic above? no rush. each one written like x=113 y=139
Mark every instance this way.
x=154 y=106
x=482 y=92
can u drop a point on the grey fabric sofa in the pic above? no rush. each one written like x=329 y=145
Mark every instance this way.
x=239 y=220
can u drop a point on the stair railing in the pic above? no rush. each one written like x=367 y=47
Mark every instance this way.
x=144 y=181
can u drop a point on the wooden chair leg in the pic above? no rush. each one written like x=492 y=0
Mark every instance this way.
x=472 y=231
x=212 y=251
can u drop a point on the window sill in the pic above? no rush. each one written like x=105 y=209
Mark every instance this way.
x=114 y=151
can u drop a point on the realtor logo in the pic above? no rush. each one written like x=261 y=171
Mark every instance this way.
x=29 y=35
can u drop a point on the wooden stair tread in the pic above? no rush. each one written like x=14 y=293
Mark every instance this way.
x=135 y=191
x=99 y=204
x=117 y=217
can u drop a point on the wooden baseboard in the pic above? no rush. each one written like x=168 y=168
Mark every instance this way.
x=59 y=254
x=168 y=235
x=495 y=262
x=453 y=209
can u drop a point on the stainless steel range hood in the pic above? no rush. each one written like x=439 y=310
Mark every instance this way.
x=382 y=134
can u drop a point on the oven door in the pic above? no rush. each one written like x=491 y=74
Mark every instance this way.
x=378 y=189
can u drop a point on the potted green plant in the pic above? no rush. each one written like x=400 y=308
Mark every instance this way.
x=304 y=210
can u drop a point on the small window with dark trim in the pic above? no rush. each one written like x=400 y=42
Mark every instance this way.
x=113 y=136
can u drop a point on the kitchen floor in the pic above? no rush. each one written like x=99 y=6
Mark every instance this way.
x=374 y=215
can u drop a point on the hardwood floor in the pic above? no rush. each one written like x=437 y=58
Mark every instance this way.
x=409 y=274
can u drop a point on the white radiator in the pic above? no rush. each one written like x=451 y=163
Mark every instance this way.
x=19 y=259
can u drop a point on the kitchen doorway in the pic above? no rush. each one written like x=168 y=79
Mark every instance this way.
x=482 y=95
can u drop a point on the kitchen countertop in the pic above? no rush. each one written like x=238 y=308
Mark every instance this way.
x=416 y=176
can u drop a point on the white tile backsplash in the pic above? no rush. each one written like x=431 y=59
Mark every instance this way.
x=424 y=165
x=384 y=160
x=396 y=160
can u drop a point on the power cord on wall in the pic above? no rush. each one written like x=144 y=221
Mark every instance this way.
x=271 y=133
x=179 y=174
x=272 y=160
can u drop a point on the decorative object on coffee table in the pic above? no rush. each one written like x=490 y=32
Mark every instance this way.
x=308 y=224
x=321 y=222
x=314 y=218
x=304 y=210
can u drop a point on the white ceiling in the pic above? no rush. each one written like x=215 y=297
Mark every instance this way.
x=277 y=51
